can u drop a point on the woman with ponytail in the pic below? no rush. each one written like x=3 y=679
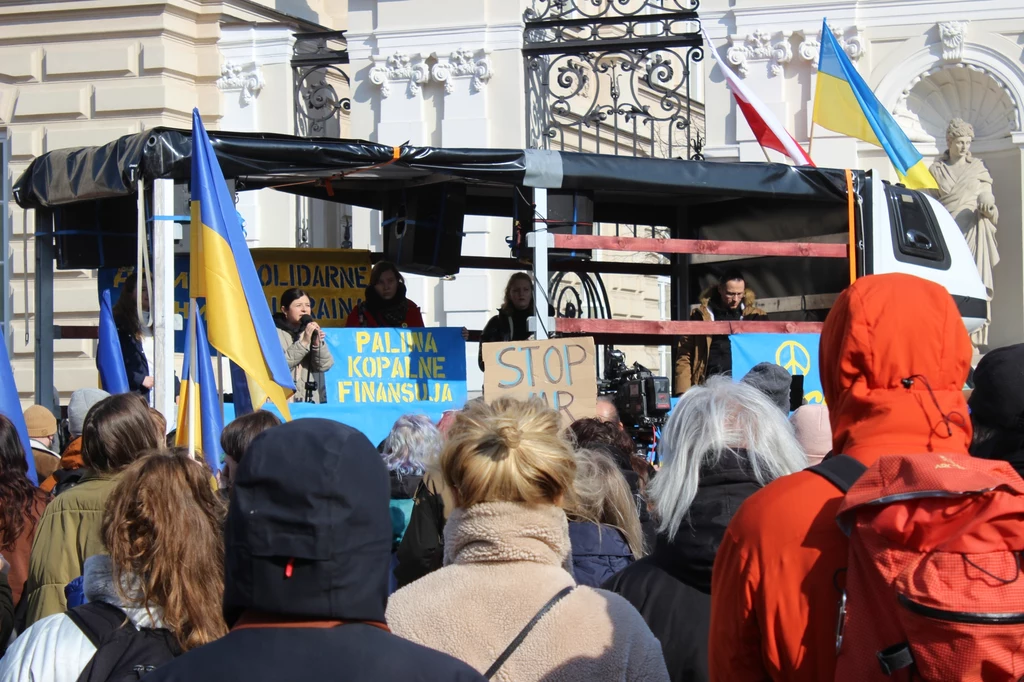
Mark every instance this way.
x=508 y=562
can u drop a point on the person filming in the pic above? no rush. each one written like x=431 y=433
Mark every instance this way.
x=304 y=346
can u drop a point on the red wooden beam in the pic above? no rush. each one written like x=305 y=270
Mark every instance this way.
x=65 y=331
x=681 y=328
x=700 y=246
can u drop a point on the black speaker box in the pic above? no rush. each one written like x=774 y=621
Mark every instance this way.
x=570 y=213
x=423 y=229
x=96 y=234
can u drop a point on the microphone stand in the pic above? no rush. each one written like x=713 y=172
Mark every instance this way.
x=311 y=385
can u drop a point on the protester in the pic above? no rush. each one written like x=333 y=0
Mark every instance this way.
x=385 y=304
x=42 y=432
x=421 y=550
x=164 y=574
x=236 y=438
x=308 y=539
x=813 y=431
x=894 y=358
x=21 y=505
x=304 y=345
x=413 y=444
x=70 y=472
x=6 y=608
x=772 y=380
x=607 y=412
x=997 y=406
x=116 y=430
x=511 y=322
x=699 y=357
x=507 y=560
x=604 y=529
x=611 y=439
x=133 y=336
x=722 y=442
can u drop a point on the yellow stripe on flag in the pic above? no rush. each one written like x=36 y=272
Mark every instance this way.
x=837 y=109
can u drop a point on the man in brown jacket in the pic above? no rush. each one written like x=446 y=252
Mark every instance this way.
x=699 y=357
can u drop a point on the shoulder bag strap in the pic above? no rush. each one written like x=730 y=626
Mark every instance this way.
x=842 y=471
x=510 y=649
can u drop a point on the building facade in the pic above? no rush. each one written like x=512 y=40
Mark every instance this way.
x=928 y=62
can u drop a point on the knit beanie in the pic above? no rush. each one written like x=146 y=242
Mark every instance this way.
x=773 y=381
x=81 y=402
x=40 y=422
x=813 y=431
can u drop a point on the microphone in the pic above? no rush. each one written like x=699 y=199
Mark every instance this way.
x=304 y=322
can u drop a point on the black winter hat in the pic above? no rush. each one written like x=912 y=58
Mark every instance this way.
x=772 y=380
x=308 y=532
x=998 y=397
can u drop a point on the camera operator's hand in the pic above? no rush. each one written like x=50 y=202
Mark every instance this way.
x=312 y=335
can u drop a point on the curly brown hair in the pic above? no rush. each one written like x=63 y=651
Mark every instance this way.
x=163 y=528
x=16 y=490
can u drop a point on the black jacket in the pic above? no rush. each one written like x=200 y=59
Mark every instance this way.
x=671 y=588
x=422 y=548
x=323 y=511
x=507 y=327
x=136 y=366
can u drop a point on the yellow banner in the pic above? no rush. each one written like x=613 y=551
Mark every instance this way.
x=334 y=279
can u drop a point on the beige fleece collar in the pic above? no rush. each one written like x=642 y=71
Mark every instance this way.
x=495 y=532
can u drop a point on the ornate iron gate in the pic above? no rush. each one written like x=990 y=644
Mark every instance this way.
x=315 y=64
x=612 y=77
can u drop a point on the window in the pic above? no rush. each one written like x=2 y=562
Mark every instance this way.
x=917 y=237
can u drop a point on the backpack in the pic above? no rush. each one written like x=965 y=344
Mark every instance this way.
x=123 y=651
x=933 y=585
x=421 y=550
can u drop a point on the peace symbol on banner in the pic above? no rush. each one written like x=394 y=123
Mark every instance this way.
x=793 y=357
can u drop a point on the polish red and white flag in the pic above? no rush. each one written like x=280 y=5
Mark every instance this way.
x=769 y=133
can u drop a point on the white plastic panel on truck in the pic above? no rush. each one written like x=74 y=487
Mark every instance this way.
x=913 y=243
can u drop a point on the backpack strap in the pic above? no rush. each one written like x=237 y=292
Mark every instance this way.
x=511 y=648
x=98 y=620
x=842 y=471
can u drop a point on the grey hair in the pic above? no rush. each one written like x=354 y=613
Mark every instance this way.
x=710 y=420
x=413 y=444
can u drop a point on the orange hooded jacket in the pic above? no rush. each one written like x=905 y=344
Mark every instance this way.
x=774 y=600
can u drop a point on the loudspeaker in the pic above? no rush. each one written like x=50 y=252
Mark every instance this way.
x=570 y=213
x=423 y=229
x=96 y=234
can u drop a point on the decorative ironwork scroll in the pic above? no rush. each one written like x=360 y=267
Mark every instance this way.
x=316 y=62
x=612 y=76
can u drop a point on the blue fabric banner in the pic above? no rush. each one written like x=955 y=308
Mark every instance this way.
x=797 y=353
x=381 y=374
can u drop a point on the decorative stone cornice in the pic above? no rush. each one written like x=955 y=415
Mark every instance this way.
x=850 y=40
x=463 y=63
x=245 y=78
x=953 y=35
x=399 y=67
x=758 y=46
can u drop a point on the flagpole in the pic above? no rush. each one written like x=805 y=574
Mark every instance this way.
x=810 y=144
x=193 y=374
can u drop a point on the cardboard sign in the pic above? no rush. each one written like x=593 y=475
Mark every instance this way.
x=335 y=279
x=561 y=372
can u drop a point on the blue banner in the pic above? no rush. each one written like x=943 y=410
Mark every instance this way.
x=797 y=353
x=381 y=374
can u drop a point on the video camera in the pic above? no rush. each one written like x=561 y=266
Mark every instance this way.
x=642 y=399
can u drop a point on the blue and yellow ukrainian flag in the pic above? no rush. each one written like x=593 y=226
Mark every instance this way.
x=843 y=103
x=221 y=269
x=109 y=359
x=203 y=388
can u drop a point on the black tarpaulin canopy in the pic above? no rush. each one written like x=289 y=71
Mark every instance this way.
x=365 y=173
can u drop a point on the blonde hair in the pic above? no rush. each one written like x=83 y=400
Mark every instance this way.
x=507 y=451
x=602 y=496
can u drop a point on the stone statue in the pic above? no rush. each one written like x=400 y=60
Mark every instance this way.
x=965 y=189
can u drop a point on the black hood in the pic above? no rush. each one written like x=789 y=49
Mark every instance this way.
x=281 y=322
x=690 y=556
x=314 y=493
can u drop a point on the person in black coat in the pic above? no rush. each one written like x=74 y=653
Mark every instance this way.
x=723 y=442
x=308 y=542
x=129 y=334
x=512 y=321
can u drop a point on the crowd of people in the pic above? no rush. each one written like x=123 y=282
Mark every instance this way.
x=496 y=543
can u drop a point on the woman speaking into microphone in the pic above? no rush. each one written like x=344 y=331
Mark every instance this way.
x=304 y=348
